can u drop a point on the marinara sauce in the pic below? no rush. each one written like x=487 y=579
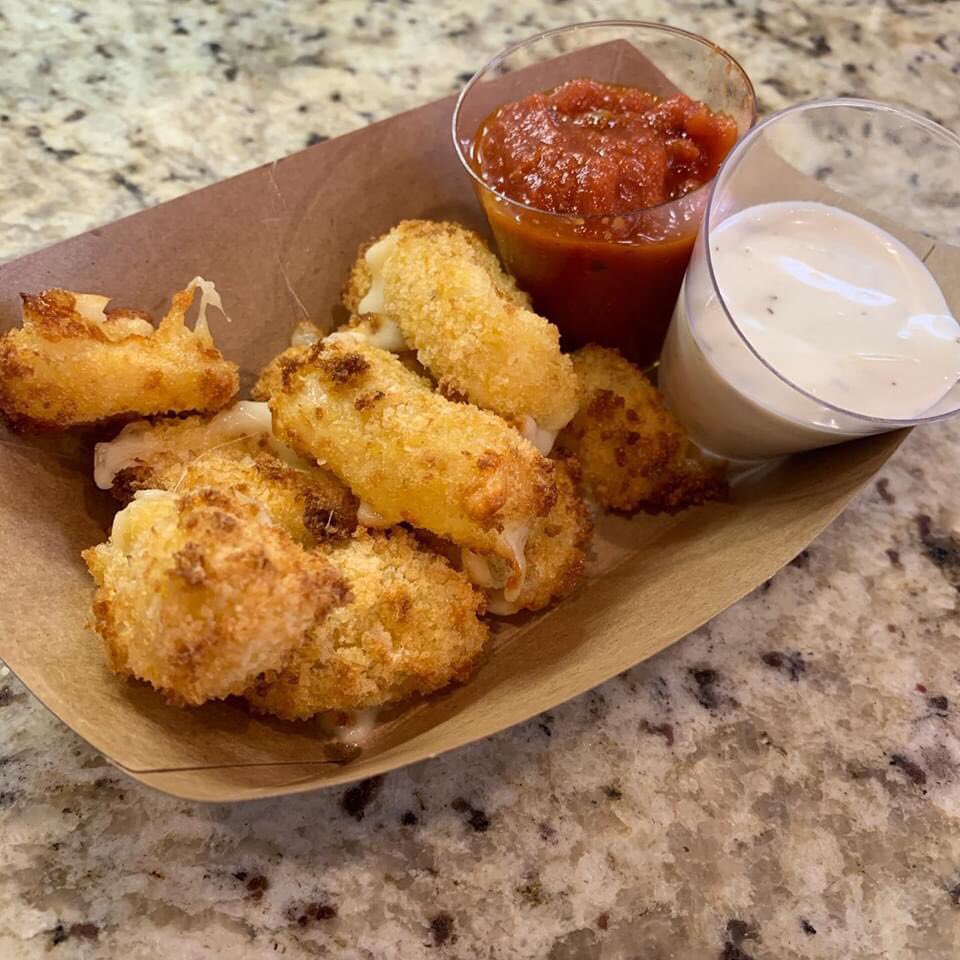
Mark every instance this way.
x=593 y=203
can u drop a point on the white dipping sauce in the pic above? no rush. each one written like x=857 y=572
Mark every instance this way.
x=840 y=308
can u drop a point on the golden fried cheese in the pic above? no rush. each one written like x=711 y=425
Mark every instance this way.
x=633 y=454
x=198 y=593
x=235 y=450
x=556 y=552
x=304 y=335
x=312 y=505
x=75 y=362
x=410 y=454
x=436 y=287
x=412 y=627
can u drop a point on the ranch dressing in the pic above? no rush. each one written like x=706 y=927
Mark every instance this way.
x=840 y=308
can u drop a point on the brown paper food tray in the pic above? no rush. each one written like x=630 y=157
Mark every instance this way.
x=278 y=241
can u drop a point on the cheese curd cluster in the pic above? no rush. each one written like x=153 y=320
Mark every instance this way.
x=339 y=541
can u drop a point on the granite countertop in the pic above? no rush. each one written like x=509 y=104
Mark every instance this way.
x=784 y=783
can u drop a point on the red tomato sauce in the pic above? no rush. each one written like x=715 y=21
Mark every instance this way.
x=591 y=149
x=607 y=160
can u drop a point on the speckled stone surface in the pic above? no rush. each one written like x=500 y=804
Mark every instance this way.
x=783 y=784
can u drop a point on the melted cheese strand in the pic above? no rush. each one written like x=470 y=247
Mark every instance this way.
x=243 y=419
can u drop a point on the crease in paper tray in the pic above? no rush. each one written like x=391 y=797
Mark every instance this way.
x=279 y=241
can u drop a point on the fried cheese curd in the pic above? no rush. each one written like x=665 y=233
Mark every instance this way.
x=633 y=454
x=270 y=379
x=556 y=552
x=438 y=289
x=199 y=593
x=412 y=627
x=360 y=278
x=410 y=454
x=235 y=450
x=75 y=362
x=304 y=335
x=313 y=506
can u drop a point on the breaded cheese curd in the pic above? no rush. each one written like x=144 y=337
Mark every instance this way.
x=412 y=627
x=410 y=454
x=76 y=362
x=198 y=593
x=236 y=450
x=437 y=289
x=633 y=454
x=556 y=552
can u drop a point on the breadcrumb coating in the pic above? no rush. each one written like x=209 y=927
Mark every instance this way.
x=370 y=328
x=358 y=281
x=633 y=454
x=304 y=335
x=556 y=552
x=271 y=376
x=469 y=324
x=313 y=506
x=360 y=277
x=198 y=593
x=75 y=362
x=309 y=502
x=151 y=454
x=412 y=627
x=558 y=544
x=411 y=455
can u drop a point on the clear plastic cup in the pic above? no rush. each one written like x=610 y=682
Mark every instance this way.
x=609 y=280
x=890 y=166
